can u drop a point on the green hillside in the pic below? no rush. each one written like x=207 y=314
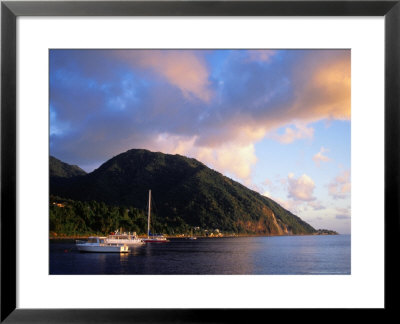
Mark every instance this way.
x=186 y=194
x=59 y=169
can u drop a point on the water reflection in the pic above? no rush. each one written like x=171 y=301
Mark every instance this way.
x=135 y=250
x=252 y=255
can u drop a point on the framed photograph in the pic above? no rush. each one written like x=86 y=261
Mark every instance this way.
x=174 y=161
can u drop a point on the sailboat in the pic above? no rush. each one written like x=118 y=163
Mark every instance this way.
x=153 y=238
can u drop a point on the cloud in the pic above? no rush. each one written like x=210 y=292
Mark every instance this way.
x=319 y=157
x=316 y=205
x=301 y=188
x=342 y=216
x=211 y=105
x=286 y=95
x=267 y=182
x=290 y=135
x=272 y=186
x=230 y=158
x=340 y=187
x=326 y=89
x=184 y=69
x=237 y=159
x=266 y=194
x=343 y=213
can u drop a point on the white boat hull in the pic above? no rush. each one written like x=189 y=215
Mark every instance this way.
x=103 y=248
x=125 y=242
x=155 y=240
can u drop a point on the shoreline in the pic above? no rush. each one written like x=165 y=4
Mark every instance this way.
x=77 y=237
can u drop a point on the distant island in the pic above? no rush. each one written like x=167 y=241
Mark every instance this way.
x=189 y=198
x=325 y=232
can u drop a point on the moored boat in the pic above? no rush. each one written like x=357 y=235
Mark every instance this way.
x=98 y=244
x=128 y=239
x=158 y=238
x=153 y=238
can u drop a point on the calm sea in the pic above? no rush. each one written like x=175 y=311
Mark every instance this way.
x=234 y=255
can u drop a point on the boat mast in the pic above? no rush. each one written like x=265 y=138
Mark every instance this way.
x=148 y=217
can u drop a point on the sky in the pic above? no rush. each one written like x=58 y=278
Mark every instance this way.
x=277 y=121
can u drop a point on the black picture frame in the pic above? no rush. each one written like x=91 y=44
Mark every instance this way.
x=10 y=10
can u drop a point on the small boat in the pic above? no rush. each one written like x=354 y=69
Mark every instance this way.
x=98 y=244
x=153 y=238
x=128 y=239
x=157 y=238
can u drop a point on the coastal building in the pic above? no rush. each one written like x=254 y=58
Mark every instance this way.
x=59 y=205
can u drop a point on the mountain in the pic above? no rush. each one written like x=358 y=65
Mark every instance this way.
x=59 y=169
x=184 y=190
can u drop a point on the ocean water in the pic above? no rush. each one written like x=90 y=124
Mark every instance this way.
x=280 y=255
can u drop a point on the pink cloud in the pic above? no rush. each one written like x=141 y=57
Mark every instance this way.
x=184 y=69
x=290 y=135
x=325 y=90
x=321 y=84
x=232 y=158
x=301 y=188
x=320 y=157
x=340 y=187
